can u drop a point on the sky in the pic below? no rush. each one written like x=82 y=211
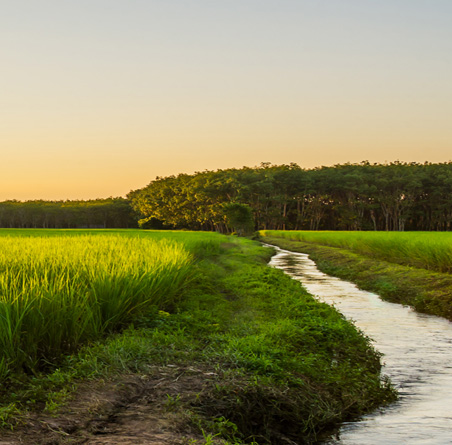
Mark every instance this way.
x=98 y=97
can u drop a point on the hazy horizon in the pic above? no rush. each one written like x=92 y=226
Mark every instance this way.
x=100 y=97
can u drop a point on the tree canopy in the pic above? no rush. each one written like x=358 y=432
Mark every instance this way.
x=98 y=213
x=364 y=196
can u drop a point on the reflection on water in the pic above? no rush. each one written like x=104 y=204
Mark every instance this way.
x=417 y=352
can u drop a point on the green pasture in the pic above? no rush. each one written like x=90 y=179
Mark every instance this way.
x=94 y=304
x=424 y=250
x=62 y=288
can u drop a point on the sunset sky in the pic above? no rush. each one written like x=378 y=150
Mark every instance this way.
x=99 y=97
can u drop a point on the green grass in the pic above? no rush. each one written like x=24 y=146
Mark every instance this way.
x=281 y=364
x=425 y=250
x=425 y=290
x=57 y=293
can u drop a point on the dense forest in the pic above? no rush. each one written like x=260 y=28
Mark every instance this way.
x=395 y=196
x=98 y=213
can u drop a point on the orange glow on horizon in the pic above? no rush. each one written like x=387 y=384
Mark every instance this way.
x=91 y=111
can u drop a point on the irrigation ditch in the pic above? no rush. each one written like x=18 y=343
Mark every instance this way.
x=416 y=346
x=427 y=291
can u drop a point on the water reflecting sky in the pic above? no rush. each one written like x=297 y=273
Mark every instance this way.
x=417 y=357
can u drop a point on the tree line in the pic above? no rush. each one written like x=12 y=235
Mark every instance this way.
x=96 y=213
x=394 y=196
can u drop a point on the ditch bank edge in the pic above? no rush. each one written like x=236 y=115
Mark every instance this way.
x=425 y=291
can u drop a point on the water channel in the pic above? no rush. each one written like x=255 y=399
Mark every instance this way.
x=417 y=358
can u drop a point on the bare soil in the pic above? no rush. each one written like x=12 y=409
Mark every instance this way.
x=150 y=409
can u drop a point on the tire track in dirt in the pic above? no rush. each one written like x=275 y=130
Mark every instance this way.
x=133 y=409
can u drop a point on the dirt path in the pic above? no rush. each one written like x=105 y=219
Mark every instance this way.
x=133 y=410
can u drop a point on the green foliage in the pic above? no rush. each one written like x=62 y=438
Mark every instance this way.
x=57 y=293
x=240 y=217
x=290 y=365
x=396 y=197
x=392 y=197
x=96 y=213
x=425 y=290
x=172 y=403
x=426 y=250
x=276 y=363
x=8 y=414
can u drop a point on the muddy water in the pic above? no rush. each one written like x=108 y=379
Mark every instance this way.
x=417 y=357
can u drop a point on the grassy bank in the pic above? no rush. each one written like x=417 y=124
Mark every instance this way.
x=423 y=250
x=263 y=361
x=386 y=263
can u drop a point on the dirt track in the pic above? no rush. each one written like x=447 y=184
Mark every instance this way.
x=133 y=410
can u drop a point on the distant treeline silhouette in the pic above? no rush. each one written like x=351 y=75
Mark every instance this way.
x=365 y=196
x=395 y=196
x=98 y=213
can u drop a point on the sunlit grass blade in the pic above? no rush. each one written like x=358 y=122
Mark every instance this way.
x=59 y=292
